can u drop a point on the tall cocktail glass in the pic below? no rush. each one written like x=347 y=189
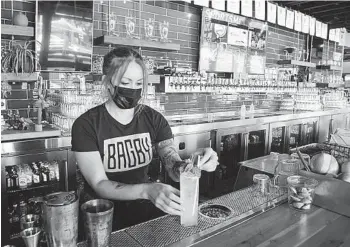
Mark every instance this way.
x=189 y=193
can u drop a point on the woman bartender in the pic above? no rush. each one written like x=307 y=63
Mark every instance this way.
x=113 y=145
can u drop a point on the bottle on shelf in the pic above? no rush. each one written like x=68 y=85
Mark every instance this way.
x=23 y=208
x=47 y=171
x=57 y=170
x=15 y=217
x=243 y=111
x=36 y=174
x=251 y=110
x=22 y=177
x=29 y=174
x=15 y=178
x=9 y=181
x=52 y=173
x=42 y=171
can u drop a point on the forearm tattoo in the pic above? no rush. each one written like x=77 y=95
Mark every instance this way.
x=170 y=158
x=118 y=185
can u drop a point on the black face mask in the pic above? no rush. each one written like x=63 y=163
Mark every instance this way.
x=126 y=98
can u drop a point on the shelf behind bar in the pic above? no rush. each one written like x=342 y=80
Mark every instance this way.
x=19 y=76
x=17 y=30
x=329 y=67
x=297 y=63
x=114 y=40
x=33 y=187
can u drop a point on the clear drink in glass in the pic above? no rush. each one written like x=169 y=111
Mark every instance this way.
x=189 y=193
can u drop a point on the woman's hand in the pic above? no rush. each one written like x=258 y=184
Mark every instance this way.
x=164 y=197
x=209 y=159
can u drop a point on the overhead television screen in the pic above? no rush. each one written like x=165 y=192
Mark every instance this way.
x=64 y=35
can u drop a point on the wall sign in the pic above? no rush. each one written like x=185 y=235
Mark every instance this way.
x=228 y=41
x=237 y=36
x=281 y=16
x=204 y=3
x=337 y=35
x=324 y=30
x=319 y=29
x=297 y=21
x=233 y=6
x=342 y=36
x=271 y=12
x=312 y=26
x=247 y=8
x=331 y=34
x=225 y=17
x=260 y=9
x=305 y=23
x=290 y=19
x=218 y=4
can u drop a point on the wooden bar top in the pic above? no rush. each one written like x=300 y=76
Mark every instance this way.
x=285 y=227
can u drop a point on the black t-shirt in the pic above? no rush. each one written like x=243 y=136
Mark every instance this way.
x=125 y=150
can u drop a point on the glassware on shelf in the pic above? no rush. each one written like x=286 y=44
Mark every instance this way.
x=130 y=24
x=164 y=31
x=149 y=29
x=113 y=27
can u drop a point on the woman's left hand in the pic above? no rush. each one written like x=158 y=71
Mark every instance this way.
x=209 y=159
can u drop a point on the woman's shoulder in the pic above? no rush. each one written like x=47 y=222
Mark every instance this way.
x=92 y=115
x=147 y=110
x=151 y=114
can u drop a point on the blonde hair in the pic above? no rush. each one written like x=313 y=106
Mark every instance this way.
x=115 y=64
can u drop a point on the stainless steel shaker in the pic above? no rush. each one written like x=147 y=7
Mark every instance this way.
x=60 y=219
x=98 y=218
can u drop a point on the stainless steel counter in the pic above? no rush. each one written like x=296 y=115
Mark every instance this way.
x=167 y=230
x=257 y=120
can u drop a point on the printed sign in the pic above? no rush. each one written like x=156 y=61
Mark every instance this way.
x=260 y=9
x=247 y=8
x=290 y=19
x=337 y=35
x=281 y=17
x=204 y=3
x=342 y=36
x=218 y=4
x=233 y=6
x=237 y=36
x=306 y=23
x=331 y=34
x=271 y=12
x=318 y=29
x=297 y=21
x=324 y=30
x=312 y=26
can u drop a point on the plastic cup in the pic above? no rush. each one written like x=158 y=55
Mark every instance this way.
x=98 y=218
x=189 y=193
x=301 y=192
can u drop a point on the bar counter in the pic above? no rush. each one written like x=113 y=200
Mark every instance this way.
x=256 y=221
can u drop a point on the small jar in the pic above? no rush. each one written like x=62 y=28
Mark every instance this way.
x=301 y=192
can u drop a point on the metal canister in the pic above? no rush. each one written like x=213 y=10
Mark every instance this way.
x=60 y=216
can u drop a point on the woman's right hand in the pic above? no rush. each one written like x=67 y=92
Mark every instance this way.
x=164 y=197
